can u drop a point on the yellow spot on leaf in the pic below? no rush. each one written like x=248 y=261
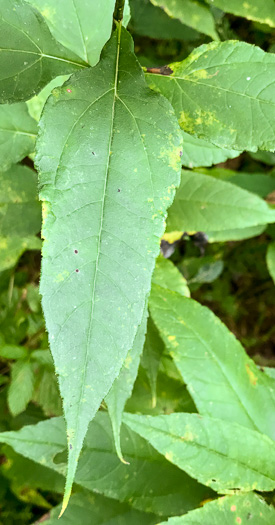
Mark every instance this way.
x=252 y=378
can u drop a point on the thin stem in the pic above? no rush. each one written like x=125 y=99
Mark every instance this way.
x=119 y=8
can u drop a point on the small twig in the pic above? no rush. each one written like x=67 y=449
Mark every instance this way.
x=43 y=518
x=118 y=12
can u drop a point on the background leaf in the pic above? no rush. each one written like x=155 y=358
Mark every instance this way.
x=222 y=90
x=199 y=152
x=110 y=164
x=21 y=386
x=11 y=249
x=257 y=10
x=17 y=133
x=203 y=203
x=191 y=13
x=30 y=57
x=270 y=259
x=20 y=211
x=218 y=453
x=223 y=381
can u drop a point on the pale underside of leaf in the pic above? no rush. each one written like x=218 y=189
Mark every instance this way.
x=108 y=168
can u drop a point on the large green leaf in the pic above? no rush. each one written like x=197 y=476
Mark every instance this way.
x=203 y=203
x=20 y=211
x=123 y=385
x=257 y=10
x=83 y=26
x=191 y=13
x=109 y=160
x=199 y=152
x=30 y=57
x=17 y=133
x=223 y=381
x=270 y=259
x=148 y=483
x=218 y=453
x=87 y=509
x=224 y=93
x=229 y=510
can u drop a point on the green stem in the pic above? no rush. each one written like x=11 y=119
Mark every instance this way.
x=119 y=8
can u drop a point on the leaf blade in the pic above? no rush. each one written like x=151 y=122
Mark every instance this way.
x=93 y=259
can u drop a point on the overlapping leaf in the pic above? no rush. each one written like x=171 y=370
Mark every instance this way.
x=123 y=385
x=80 y=25
x=223 y=381
x=229 y=510
x=191 y=13
x=18 y=132
x=218 y=453
x=148 y=483
x=224 y=93
x=29 y=55
x=257 y=10
x=109 y=159
x=203 y=203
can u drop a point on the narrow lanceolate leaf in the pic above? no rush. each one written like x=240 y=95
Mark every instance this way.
x=270 y=259
x=18 y=132
x=123 y=385
x=87 y=508
x=203 y=203
x=83 y=26
x=191 y=13
x=201 y=153
x=223 y=381
x=153 y=484
x=229 y=510
x=109 y=159
x=257 y=10
x=218 y=453
x=224 y=93
x=151 y=356
x=29 y=55
x=20 y=211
